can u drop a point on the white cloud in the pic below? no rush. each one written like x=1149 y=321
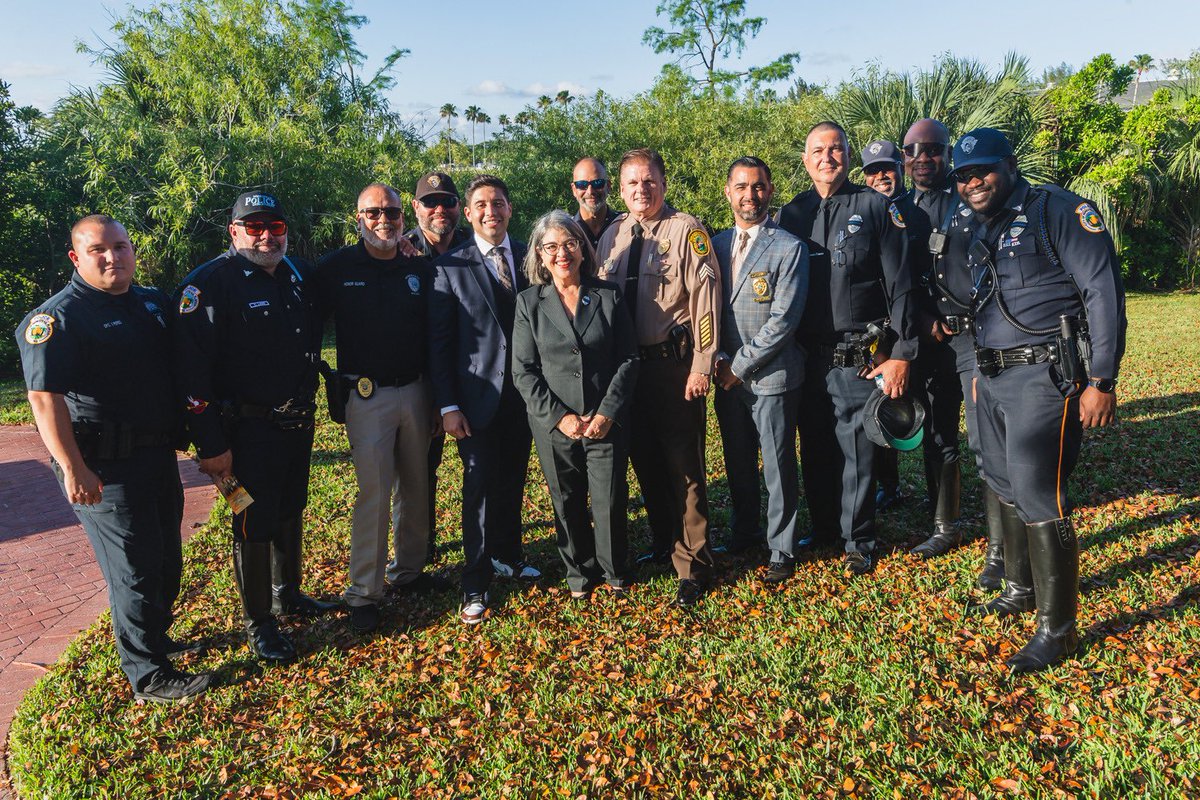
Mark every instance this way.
x=493 y=88
x=538 y=89
x=26 y=69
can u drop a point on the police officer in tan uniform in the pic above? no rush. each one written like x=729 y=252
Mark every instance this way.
x=674 y=295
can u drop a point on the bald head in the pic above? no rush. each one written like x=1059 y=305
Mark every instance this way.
x=592 y=199
x=375 y=189
x=927 y=154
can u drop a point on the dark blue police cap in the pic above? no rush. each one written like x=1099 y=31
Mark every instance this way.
x=257 y=203
x=980 y=146
x=881 y=150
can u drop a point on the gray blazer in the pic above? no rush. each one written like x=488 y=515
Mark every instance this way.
x=583 y=366
x=761 y=312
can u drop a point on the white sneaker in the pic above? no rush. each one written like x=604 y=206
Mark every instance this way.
x=521 y=570
x=473 y=608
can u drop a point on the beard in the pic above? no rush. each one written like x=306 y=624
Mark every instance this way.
x=595 y=207
x=259 y=258
x=387 y=241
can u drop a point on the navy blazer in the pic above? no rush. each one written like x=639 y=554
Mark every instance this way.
x=469 y=345
x=583 y=366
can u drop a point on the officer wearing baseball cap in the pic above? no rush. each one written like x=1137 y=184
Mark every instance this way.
x=1050 y=333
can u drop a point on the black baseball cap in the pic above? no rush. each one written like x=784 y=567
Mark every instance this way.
x=436 y=183
x=251 y=203
x=980 y=146
x=879 y=151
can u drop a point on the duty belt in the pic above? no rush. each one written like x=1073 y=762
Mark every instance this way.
x=112 y=440
x=993 y=362
x=292 y=415
x=657 y=352
x=387 y=382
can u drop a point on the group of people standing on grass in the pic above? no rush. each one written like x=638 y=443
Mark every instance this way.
x=597 y=342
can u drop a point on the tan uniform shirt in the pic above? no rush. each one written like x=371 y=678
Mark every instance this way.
x=678 y=283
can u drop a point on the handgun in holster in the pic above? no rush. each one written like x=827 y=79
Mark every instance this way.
x=1074 y=349
x=680 y=338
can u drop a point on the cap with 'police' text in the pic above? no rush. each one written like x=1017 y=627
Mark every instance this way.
x=257 y=203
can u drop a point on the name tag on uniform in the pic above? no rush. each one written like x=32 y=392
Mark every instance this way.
x=354 y=283
x=260 y=304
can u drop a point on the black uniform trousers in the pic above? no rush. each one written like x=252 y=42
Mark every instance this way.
x=134 y=531
x=574 y=468
x=1030 y=433
x=495 y=460
x=272 y=465
x=936 y=383
x=666 y=449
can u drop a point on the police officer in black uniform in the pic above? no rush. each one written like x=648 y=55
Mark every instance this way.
x=97 y=362
x=248 y=343
x=857 y=326
x=1050 y=333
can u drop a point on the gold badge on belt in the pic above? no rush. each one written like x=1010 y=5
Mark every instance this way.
x=365 y=387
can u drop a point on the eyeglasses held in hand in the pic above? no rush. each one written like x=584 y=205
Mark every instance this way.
x=443 y=200
x=931 y=149
x=393 y=213
x=598 y=183
x=277 y=227
x=569 y=246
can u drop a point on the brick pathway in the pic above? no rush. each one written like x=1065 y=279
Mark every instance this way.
x=50 y=585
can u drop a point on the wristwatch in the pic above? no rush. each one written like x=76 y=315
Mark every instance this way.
x=1106 y=385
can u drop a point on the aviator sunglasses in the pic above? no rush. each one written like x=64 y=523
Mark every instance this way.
x=277 y=227
x=931 y=149
x=393 y=213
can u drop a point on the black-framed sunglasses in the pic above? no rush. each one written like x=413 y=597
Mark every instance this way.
x=968 y=174
x=875 y=169
x=393 y=213
x=931 y=149
x=598 y=183
x=443 y=200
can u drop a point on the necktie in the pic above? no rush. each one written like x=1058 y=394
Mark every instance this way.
x=824 y=209
x=633 y=269
x=739 y=256
x=496 y=256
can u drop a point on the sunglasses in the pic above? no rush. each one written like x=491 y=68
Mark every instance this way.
x=551 y=248
x=968 y=174
x=393 y=213
x=443 y=200
x=598 y=183
x=277 y=227
x=875 y=169
x=931 y=149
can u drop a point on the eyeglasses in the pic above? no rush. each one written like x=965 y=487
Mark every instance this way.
x=598 y=183
x=875 y=169
x=277 y=227
x=931 y=149
x=968 y=174
x=443 y=200
x=551 y=248
x=393 y=213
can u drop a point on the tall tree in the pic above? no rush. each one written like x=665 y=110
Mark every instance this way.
x=448 y=113
x=705 y=33
x=564 y=97
x=471 y=114
x=1141 y=63
x=545 y=101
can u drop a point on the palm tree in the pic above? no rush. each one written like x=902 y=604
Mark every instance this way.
x=563 y=97
x=1142 y=62
x=544 y=101
x=503 y=121
x=448 y=113
x=523 y=117
x=472 y=114
x=483 y=119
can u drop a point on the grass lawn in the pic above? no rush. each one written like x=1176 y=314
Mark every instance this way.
x=829 y=687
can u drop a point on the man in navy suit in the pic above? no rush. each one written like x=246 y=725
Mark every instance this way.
x=760 y=367
x=471 y=321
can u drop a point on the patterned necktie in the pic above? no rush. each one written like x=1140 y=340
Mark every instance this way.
x=739 y=256
x=496 y=256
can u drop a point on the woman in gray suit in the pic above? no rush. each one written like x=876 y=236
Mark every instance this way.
x=575 y=361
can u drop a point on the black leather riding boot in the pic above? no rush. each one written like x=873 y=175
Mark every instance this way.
x=287 y=555
x=1054 y=555
x=992 y=576
x=944 y=489
x=1018 y=595
x=252 y=571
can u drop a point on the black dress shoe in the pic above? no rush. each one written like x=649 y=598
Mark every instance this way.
x=173 y=686
x=364 y=619
x=858 y=563
x=269 y=643
x=301 y=605
x=653 y=557
x=688 y=594
x=779 y=571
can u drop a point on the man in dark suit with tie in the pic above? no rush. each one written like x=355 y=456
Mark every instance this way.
x=471 y=322
x=760 y=367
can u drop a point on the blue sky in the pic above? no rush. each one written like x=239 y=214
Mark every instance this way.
x=587 y=46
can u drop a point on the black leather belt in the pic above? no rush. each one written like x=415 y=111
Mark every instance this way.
x=657 y=352
x=292 y=415
x=114 y=440
x=992 y=362
x=394 y=382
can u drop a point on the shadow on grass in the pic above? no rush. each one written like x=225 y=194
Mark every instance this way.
x=1122 y=623
x=1136 y=525
x=1179 y=551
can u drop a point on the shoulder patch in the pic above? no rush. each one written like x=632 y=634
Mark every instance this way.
x=39 y=329
x=897 y=217
x=189 y=299
x=701 y=246
x=1089 y=218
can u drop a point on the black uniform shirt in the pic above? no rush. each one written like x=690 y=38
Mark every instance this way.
x=1035 y=290
x=610 y=217
x=244 y=337
x=417 y=237
x=109 y=355
x=380 y=310
x=858 y=259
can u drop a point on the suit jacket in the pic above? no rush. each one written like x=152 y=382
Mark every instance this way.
x=469 y=344
x=581 y=366
x=761 y=312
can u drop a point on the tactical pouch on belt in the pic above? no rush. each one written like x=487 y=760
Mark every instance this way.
x=335 y=392
x=1074 y=349
x=680 y=339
